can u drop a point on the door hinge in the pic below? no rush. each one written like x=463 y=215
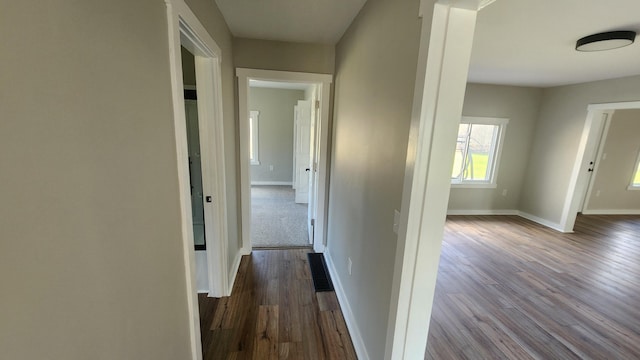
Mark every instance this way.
x=313 y=222
x=317 y=104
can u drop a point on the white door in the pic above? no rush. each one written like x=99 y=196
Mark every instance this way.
x=594 y=145
x=313 y=161
x=303 y=151
x=295 y=144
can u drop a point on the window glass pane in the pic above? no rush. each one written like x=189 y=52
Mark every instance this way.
x=479 y=153
x=251 y=153
x=463 y=133
x=636 y=177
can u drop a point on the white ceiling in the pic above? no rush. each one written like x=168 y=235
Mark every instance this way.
x=532 y=42
x=517 y=42
x=310 y=21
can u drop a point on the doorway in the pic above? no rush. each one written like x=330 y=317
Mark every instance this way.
x=185 y=30
x=586 y=163
x=279 y=152
x=314 y=175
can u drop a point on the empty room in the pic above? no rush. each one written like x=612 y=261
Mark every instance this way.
x=467 y=172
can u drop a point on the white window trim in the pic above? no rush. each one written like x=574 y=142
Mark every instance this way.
x=633 y=175
x=254 y=115
x=497 y=150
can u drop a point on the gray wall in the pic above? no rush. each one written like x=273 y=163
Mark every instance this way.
x=520 y=105
x=615 y=170
x=558 y=130
x=210 y=16
x=284 y=56
x=91 y=262
x=275 y=132
x=376 y=63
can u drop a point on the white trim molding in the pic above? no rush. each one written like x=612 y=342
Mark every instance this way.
x=323 y=81
x=495 y=152
x=611 y=212
x=441 y=79
x=544 y=222
x=254 y=137
x=483 y=212
x=272 y=183
x=591 y=134
x=234 y=271
x=184 y=29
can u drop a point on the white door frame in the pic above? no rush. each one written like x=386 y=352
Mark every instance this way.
x=441 y=78
x=323 y=81
x=600 y=131
x=589 y=140
x=185 y=29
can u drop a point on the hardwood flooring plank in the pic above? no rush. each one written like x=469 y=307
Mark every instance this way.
x=274 y=313
x=266 y=340
x=290 y=351
x=510 y=288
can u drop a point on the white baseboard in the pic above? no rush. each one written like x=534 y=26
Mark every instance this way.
x=263 y=183
x=541 y=221
x=354 y=331
x=483 y=212
x=234 y=271
x=611 y=212
x=536 y=219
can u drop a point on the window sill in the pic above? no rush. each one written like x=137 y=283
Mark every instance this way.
x=473 y=186
x=254 y=162
x=632 y=187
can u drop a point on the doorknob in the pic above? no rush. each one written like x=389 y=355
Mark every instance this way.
x=307 y=169
x=208 y=199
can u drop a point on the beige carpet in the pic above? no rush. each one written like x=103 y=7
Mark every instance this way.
x=276 y=220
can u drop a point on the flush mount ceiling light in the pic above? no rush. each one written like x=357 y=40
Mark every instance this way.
x=606 y=41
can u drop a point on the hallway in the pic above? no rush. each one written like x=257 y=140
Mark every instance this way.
x=274 y=313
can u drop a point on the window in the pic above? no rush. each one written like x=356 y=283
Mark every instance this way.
x=635 y=178
x=253 y=137
x=478 y=151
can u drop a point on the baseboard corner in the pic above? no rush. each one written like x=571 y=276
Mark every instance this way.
x=541 y=221
x=234 y=272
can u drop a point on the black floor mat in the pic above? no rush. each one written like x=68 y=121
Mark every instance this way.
x=319 y=272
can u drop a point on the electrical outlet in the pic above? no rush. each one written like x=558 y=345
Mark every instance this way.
x=270 y=167
x=349 y=264
x=504 y=192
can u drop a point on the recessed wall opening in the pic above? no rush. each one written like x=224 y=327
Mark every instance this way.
x=282 y=119
x=283 y=157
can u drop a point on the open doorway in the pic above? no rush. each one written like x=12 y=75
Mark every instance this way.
x=195 y=170
x=186 y=31
x=591 y=152
x=305 y=176
x=280 y=150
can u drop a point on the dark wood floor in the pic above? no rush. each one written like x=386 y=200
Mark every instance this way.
x=274 y=313
x=510 y=289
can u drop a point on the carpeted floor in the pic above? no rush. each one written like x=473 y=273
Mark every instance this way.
x=276 y=220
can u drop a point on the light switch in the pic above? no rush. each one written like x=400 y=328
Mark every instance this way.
x=396 y=221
